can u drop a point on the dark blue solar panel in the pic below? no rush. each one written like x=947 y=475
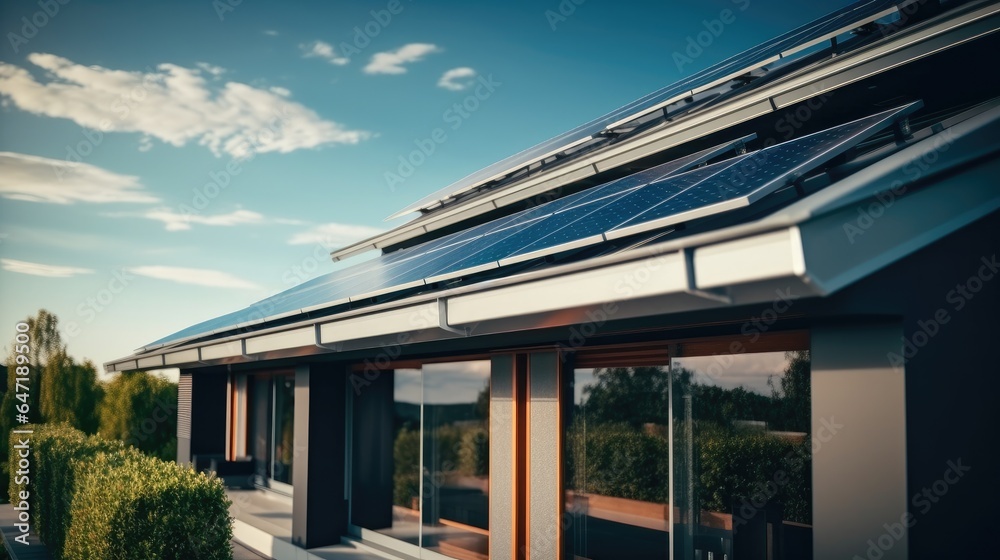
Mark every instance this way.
x=744 y=61
x=757 y=174
x=625 y=211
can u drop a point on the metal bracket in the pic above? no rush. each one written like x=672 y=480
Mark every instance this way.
x=443 y=319
x=692 y=286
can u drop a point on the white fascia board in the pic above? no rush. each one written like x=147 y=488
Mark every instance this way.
x=656 y=275
x=767 y=256
x=296 y=338
x=406 y=319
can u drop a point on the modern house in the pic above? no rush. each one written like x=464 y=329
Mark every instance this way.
x=748 y=316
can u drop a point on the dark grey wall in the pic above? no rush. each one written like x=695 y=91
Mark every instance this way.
x=952 y=385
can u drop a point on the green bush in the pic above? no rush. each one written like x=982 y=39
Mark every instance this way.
x=130 y=506
x=97 y=499
x=53 y=480
x=474 y=452
x=616 y=460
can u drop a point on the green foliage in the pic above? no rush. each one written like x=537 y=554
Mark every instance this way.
x=141 y=410
x=747 y=464
x=474 y=452
x=54 y=449
x=133 y=507
x=406 y=478
x=99 y=500
x=634 y=396
x=70 y=393
x=617 y=460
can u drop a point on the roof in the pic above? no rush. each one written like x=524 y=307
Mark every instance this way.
x=705 y=261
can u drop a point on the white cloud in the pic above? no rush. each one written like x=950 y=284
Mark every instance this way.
x=391 y=62
x=178 y=221
x=333 y=235
x=38 y=269
x=454 y=79
x=196 y=276
x=270 y=33
x=171 y=103
x=39 y=179
x=325 y=51
x=211 y=69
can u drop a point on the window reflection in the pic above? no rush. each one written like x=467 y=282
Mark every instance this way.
x=742 y=452
x=617 y=454
x=421 y=457
x=271 y=427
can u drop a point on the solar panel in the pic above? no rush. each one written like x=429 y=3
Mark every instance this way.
x=807 y=35
x=678 y=198
x=650 y=200
x=409 y=267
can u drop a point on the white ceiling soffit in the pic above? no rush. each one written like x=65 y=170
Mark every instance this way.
x=813 y=247
x=909 y=45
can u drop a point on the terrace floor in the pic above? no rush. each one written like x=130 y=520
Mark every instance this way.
x=264 y=524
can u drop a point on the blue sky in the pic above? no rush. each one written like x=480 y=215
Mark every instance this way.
x=162 y=163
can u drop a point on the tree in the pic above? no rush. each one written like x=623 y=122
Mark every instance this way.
x=43 y=341
x=795 y=409
x=141 y=410
x=70 y=392
x=635 y=396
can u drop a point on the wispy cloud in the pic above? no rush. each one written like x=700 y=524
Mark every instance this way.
x=178 y=221
x=457 y=79
x=195 y=276
x=270 y=33
x=171 y=103
x=333 y=235
x=39 y=179
x=391 y=62
x=324 y=51
x=39 y=269
x=211 y=69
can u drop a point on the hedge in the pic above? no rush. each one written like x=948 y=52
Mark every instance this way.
x=96 y=499
x=53 y=481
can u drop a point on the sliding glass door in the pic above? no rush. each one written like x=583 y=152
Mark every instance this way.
x=270 y=429
x=420 y=459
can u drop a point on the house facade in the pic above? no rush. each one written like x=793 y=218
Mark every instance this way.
x=749 y=316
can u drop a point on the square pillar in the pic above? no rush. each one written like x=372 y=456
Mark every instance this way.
x=859 y=442
x=545 y=496
x=319 y=506
x=201 y=414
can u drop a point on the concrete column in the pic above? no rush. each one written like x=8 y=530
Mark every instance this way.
x=319 y=506
x=502 y=458
x=544 y=456
x=859 y=443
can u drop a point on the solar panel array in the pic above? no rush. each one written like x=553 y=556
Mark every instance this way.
x=668 y=194
x=812 y=33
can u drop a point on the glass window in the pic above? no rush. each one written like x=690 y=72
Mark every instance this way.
x=617 y=471
x=742 y=462
x=271 y=427
x=708 y=457
x=420 y=467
